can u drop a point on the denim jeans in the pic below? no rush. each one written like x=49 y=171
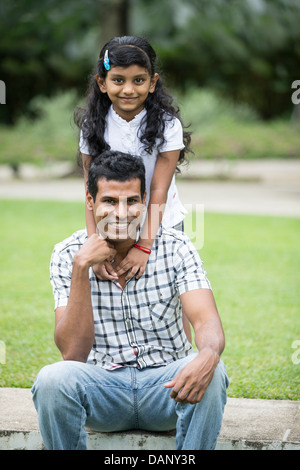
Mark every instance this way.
x=70 y=395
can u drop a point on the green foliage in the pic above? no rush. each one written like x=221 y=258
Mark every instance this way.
x=247 y=50
x=52 y=137
x=223 y=129
x=45 y=46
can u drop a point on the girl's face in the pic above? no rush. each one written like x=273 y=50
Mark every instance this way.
x=127 y=88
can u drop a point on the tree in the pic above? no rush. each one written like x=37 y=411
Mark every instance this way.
x=42 y=50
x=246 y=49
x=114 y=18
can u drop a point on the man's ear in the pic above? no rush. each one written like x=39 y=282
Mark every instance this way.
x=101 y=83
x=89 y=201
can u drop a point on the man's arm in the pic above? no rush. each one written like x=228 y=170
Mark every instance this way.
x=192 y=381
x=74 y=324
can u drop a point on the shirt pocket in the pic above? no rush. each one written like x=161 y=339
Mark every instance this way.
x=163 y=305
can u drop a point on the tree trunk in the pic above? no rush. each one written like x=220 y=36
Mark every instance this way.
x=113 y=19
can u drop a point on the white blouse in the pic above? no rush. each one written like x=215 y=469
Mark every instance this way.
x=123 y=137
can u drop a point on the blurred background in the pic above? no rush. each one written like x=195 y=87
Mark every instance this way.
x=233 y=67
x=229 y=63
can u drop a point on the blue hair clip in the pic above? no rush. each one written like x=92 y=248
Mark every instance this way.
x=106 y=61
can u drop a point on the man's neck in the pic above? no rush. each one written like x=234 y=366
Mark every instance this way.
x=122 y=248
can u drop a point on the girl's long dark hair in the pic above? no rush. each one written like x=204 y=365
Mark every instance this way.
x=125 y=51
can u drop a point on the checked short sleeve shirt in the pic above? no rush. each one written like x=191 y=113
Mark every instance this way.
x=139 y=325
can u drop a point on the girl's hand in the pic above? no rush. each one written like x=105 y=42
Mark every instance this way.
x=105 y=272
x=135 y=263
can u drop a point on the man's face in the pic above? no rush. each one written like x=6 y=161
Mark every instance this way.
x=118 y=208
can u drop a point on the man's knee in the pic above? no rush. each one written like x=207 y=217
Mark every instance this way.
x=54 y=378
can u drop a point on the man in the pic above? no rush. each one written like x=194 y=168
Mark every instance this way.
x=127 y=362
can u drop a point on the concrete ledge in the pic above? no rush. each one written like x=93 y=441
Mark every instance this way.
x=247 y=425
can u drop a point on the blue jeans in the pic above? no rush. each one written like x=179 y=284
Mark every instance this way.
x=69 y=395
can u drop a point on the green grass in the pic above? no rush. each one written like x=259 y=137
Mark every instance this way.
x=28 y=233
x=252 y=263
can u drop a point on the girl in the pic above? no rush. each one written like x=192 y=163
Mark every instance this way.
x=129 y=110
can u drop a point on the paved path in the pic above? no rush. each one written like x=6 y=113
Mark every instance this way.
x=247 y=424
x=268 y=187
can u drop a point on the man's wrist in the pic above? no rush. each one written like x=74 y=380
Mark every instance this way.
x=81 y=262
x=209 y=352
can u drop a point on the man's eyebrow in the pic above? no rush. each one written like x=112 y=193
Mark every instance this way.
x=134 y=196
x=103 y=198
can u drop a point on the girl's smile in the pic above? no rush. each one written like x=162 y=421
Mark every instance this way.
x=127 y=88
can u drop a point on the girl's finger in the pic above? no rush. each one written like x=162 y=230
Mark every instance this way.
x=131 y=273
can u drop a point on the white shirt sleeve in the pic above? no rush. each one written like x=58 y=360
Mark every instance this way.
x=173 y=136
x=83 y=145
x=188 y=266
x=60 y=278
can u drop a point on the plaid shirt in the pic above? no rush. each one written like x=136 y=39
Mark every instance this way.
x=141 y=324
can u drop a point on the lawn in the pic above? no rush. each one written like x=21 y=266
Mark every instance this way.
x=252 y=263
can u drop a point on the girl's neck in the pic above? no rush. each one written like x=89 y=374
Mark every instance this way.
x=129 y=117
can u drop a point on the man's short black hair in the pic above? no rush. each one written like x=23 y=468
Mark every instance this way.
x=118 y=166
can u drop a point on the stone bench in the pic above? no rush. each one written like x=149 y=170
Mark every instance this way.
x=248 y=424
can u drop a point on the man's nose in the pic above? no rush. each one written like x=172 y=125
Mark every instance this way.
x=121 y=210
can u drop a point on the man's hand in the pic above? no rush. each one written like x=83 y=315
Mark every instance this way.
x=190 y=384
x=94 y=251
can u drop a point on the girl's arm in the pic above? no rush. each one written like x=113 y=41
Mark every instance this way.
x=136 y=260
x=163 y=173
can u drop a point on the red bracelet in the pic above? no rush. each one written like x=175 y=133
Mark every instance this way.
x=142 y=248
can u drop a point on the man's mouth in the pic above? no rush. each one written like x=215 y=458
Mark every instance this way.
x=119 y=225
